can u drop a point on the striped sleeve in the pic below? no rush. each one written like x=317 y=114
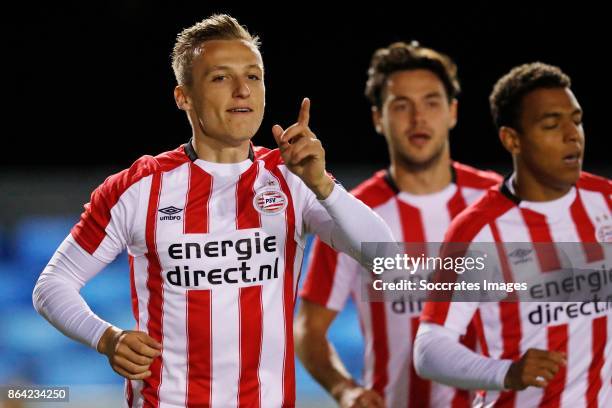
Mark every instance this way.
x=453 y=315
x=104 y=229
x=330 y=278
x=457 y=315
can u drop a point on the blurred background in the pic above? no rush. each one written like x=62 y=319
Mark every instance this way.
x=88 y=89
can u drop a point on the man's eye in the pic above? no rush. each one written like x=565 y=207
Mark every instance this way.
x=433 y=104
x=549 y=126
x=254 y=77
x=218 y=78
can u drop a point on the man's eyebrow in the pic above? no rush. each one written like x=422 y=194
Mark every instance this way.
x=227 y=68
x=555 y=115
x=434 y=94
x=431 y=95
x=549 y=115
x=399 y=98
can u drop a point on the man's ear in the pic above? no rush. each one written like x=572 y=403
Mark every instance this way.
x=454 y=107
x=509 y=138
x=182 y=99
x=377 y=120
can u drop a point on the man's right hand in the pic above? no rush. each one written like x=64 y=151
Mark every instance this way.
x=536 y=368
x=130 y=353
x=355 y=396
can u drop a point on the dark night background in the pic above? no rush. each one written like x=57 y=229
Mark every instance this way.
x=91 y=85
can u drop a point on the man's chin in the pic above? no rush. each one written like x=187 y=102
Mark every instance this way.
x=565 y=178
x=242 y=136
x=419 y=161
x=572 y=177
x=243 y=132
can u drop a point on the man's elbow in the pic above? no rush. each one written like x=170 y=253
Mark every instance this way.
x=45 y=286
x=378 y=229
x=308 y=334
x=37 y=294
x=301 y=331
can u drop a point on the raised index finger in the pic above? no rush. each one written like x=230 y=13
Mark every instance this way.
x=304 y=116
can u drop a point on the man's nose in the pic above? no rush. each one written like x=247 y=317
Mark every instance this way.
x=417 y=115
x=572 y=132
x=241 y=89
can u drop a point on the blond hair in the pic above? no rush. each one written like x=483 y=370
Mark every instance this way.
x=189 y=42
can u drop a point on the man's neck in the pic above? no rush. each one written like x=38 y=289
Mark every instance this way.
x=211 y=150
x=422 y=181
x=529 y=188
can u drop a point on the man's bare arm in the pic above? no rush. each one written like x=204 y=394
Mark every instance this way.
x=319 y=357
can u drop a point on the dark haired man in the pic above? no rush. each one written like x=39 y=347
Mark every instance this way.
x=563 y=360
x=413 y=95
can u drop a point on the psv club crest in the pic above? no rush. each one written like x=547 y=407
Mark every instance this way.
x=603 y=228
x=270 y=202
x=604 y=233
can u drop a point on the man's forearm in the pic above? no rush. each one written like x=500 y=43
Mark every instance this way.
x=321 y=360
x=443 y=359
x=56 y=294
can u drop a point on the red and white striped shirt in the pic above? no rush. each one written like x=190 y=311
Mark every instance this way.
x=505 y=328
x=215 y=252
x=389 y=328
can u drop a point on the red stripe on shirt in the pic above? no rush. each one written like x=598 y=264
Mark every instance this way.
x=463 y=229
x=420 y=389
x=539 y=231
x=479 y=328
x=321 y=272
x=413 y=230
x=586 y=231
x=467 y=176
x=557 y=341
x=510 y=318
x=599 y=340
x=199 y=348
x=288 y=290
x=133 y=293
x=598 y=184
x=150 y=389
x=380 y=346
x=90 y=231
x=456 y=204
x=246 y=214
x=461 y=399
x=251 y=332
x=129 y=393
x=503 y=260
x=198 y=199
x=482 y=340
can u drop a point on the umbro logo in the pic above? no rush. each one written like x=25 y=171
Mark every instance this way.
x=520 y=255
x=170 y=210
x=170 y=213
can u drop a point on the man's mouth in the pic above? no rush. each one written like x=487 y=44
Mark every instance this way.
x=572 y=159
x=240 y=110
x=419 y=138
